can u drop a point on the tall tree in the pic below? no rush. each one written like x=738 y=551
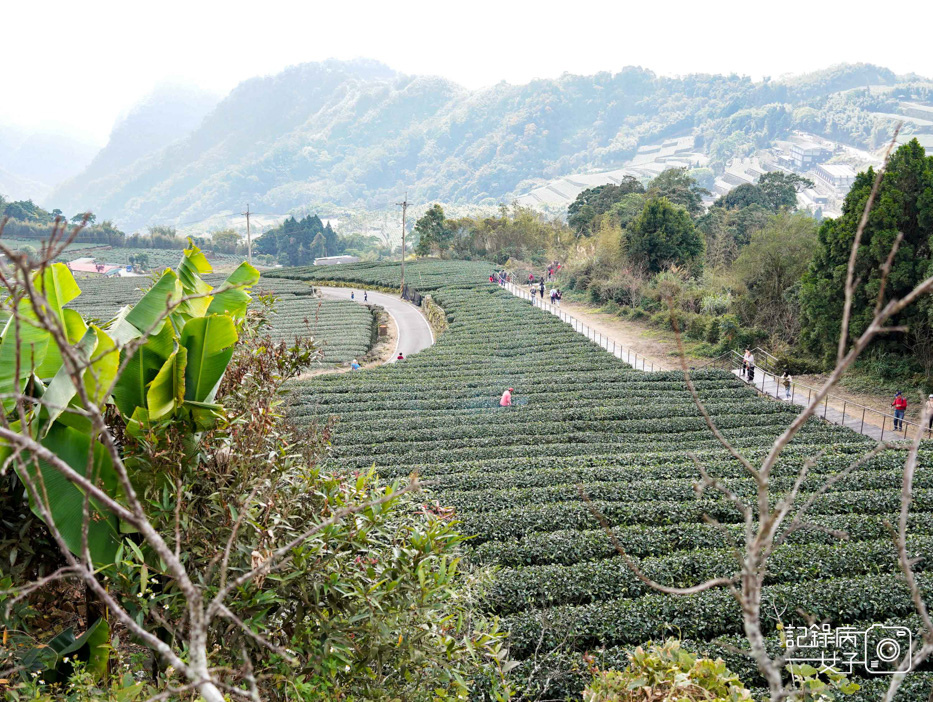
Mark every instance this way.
x=664 y=235
x=585 y=210
x=433 y=233
x=680 y=188
x=904 y=205
x=781 y=189
x=771 y=267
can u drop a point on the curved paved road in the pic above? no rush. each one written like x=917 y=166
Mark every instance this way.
x=414 y=332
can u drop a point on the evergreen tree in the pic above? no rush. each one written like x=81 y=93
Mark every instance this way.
x=433 y=233
x=664 y=235
x=904 y=205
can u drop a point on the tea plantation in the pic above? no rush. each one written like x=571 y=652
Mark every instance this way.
x=583 y=417
x=342 y=330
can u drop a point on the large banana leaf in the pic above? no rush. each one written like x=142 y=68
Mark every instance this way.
x=97 y=377
x=70 y=439
x=209 y=341
x=147 y=315
x=141 y=369
x=167 y=390
x=21 y=352
x=193 y=265
x=235 y=300
x=58 y=286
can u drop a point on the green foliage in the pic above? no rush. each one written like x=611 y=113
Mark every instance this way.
x=663 y=235
x=589 y=205
x=511 y=478
x=770 y=268
x=904 y=206
x=433 y=234
x=780 y=189
x=298 y=242
x=667 y=672
x=680 y=188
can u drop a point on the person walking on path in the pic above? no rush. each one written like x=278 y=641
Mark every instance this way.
x=365 y=296
x=930 y=412
x=534 y=291
x=900 y=407
x=400 y=357
x=786 y=380
x=541 y=288
x=506 y=400
x=353 y=294
x=750 y=360
x=745 y=363
x=559 y=296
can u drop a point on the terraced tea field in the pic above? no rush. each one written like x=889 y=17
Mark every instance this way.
x=342 y=330
x=422 y=275
x=582 y=416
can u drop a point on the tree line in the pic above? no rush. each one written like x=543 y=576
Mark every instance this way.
x=747 y=269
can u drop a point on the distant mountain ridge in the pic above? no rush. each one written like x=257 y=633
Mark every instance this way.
x=358 y=134
x=167 y=114
x=32 y=162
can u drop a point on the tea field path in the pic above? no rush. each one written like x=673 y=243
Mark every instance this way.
x=414 y=332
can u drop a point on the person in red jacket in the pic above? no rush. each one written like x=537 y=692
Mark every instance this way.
x=900 y=407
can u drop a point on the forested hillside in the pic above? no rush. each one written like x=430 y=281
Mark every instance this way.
x=357 y=134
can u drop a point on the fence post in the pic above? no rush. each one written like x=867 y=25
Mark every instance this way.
x=862 y=427
x=883 y=420
x=825 y=405
x=843 y=413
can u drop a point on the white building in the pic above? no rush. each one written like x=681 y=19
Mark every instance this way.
x=334 y=260
x=836 y=175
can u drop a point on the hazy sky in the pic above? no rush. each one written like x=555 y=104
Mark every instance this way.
x=75 y=66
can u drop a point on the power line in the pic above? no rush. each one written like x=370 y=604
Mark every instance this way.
x=249 y=240
x=404 y=205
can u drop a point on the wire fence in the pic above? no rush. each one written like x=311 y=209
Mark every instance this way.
x=623 y=354
x=858 y=417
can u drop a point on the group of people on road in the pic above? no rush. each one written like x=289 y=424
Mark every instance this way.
x=500 y=277
x=786 y=381
x=365 y=295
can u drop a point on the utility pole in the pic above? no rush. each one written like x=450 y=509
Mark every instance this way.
x=249 y=240
x=404 y=205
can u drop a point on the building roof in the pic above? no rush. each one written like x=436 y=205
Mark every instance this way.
x=838 y=170
x=88 y=266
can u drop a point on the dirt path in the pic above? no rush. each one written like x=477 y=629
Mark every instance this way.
x=660 y=347
x=639 y=338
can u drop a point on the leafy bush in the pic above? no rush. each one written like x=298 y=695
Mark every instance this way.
x=667 y=672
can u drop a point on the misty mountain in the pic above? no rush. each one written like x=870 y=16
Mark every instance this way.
x=167 y=114
x=32 y=162
x=357 y=134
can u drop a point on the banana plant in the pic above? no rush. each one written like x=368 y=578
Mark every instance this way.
x=175 y=344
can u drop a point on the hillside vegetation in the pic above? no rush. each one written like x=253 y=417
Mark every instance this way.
x=582 y=417
x=358 y=134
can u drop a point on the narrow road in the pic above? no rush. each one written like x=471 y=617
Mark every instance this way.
x=414 y=332
x=853 y=417
x=598 y=334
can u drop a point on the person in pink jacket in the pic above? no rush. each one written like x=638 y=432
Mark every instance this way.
x=506 y=400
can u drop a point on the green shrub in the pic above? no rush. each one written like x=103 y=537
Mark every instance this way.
x=712 y=331
x=667 y=672
x=797 y=365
